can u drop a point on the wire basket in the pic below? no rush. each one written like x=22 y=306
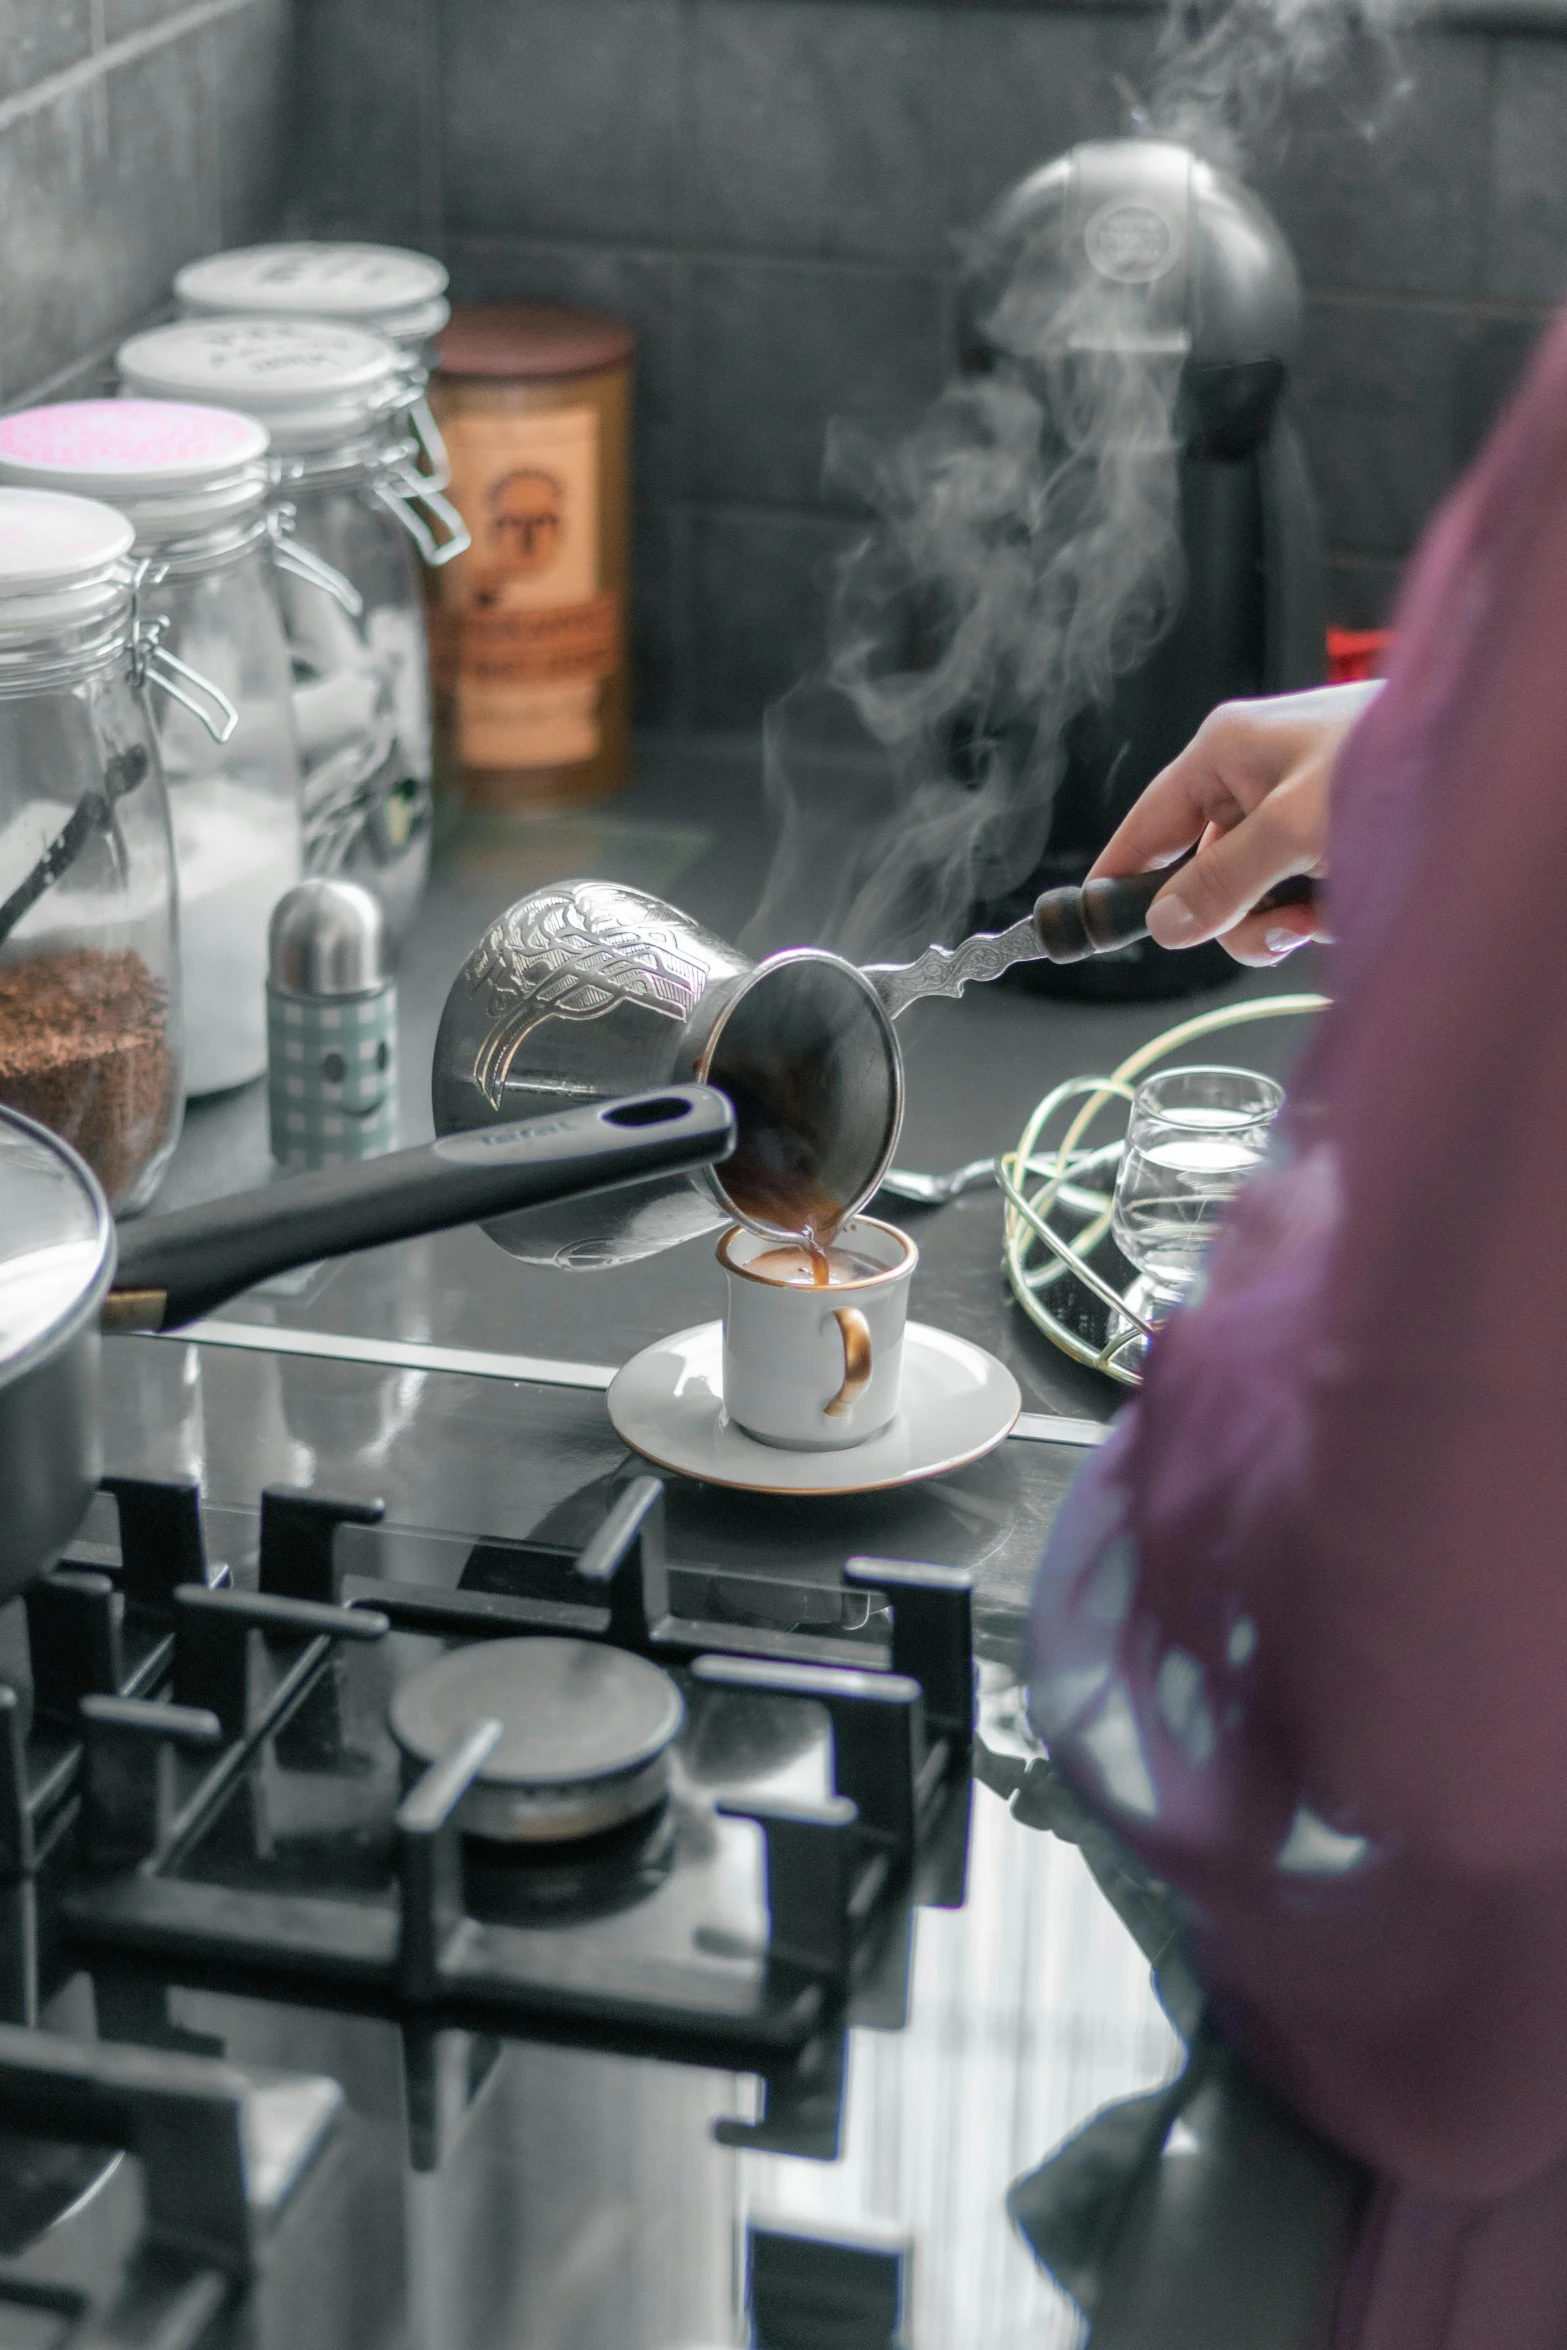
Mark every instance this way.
x=1065 y=1269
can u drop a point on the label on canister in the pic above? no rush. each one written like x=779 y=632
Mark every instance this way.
x=537 y=633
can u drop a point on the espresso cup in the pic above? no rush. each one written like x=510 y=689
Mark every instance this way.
x=814 y=1369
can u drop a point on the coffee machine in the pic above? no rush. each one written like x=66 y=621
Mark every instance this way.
x=1196 y=267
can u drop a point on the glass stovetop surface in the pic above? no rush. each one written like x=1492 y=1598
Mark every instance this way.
x=490 y=2194
x=504 y=2193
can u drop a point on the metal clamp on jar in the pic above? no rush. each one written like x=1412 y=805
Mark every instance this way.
x=383 y=288
x=89 y=973
x=334 y=402
x=193 y=482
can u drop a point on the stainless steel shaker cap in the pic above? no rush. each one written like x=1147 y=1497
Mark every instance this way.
x=326 y=938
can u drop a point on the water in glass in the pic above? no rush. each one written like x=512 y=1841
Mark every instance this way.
x=1194 y=1136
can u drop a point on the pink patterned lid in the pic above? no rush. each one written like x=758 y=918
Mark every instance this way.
x=126 y=444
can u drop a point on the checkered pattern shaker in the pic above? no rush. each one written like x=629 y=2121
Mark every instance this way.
x=332 y=1076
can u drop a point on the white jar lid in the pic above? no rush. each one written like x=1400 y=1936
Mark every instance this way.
x=166 y=464
x=61 y=559
x=384 y=287
x=312 y=384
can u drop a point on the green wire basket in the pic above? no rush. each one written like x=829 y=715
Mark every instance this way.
x=1070 y=1279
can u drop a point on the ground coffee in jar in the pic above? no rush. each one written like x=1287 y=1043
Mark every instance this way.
x=84 y=1049
x=90 y=1028
x=529 y=627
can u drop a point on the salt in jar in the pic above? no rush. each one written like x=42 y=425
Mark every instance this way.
x=334 y=400
x=89 y=965
x=194 y=482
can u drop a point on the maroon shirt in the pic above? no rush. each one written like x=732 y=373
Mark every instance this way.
x=1301 y=1631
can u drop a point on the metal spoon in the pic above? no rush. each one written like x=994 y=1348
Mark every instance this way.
x=934 y=1191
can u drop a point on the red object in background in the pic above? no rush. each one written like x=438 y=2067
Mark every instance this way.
x=1354 y=653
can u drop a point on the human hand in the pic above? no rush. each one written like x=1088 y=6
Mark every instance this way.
x=1250 y=792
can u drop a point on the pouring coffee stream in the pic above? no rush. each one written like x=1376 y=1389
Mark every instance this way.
x=591 y=988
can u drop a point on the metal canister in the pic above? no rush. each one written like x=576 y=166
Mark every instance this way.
x=528 y=628
x=331 y=1027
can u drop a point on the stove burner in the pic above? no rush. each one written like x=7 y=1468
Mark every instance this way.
x=585 y=1734
x=209 y=1787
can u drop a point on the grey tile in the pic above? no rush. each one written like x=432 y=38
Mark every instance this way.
x=1362 y=593
x=815 y=131
x=1492 y=354
x=249 y=60
x=759 y=587
x=39 y=37
x=1376 y=398
x=1526 y=258
x=1386 y=193
x=561 y=117
x=58 y=256
x=162 y=173
x=659 y=602
x=638 y=287
x=359 y=118
x=134 y=16
x=779 y=349
x=1019 y=90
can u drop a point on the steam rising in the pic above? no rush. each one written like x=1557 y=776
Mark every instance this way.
x=1023 y=549
x=1224 y=74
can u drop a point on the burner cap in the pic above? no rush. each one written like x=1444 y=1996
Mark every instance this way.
x=586 y=1734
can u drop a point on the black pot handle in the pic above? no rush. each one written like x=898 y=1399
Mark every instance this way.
x=173 y=1268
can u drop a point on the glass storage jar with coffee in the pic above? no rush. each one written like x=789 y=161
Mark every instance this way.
x=193 y=482
x=332 y=399
x=89 y=968
x=384 y=288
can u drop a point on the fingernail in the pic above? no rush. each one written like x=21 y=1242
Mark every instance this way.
x=1282 y=941
x=1170 y=921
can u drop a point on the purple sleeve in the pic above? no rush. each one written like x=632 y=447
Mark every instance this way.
x=1302 y=1628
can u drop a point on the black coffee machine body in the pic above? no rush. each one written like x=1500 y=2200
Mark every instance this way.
x=1200 y=270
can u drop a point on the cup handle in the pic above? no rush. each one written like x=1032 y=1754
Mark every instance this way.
x=855 y=1332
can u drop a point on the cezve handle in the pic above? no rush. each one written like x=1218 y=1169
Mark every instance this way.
x=176 y=1267
x=1100 y=916
x=1066 y=926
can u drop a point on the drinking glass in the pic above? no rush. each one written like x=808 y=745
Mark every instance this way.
x=1194 y=1137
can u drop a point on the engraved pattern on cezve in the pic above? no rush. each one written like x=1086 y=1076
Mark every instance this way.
x=572 y=954
x=949 y=970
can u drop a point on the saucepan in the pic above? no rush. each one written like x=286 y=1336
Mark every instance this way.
x=65 y=1274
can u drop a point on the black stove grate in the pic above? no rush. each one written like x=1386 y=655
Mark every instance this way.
x=209 y=1790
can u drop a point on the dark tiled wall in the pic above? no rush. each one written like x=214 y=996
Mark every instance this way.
x=770 y=189
x=133 y=134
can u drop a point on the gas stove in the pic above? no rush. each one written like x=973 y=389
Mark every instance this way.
x=212 y=1775
x=289 y=2053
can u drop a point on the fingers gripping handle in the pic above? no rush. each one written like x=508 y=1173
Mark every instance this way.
x=1072 y=924
x=855 y=1332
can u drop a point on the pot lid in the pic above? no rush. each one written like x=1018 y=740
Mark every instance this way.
x=572 y=1712
x=56 y=1242
x=532 y=340
x=397 y=292
x=51 y=540
x=113 y=448
x=308 y=380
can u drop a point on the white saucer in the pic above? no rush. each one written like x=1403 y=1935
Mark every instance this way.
x=958 y=1403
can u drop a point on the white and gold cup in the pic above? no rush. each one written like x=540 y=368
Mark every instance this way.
x=816 y=1368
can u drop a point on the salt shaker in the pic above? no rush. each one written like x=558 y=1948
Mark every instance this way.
x=331 y=1027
